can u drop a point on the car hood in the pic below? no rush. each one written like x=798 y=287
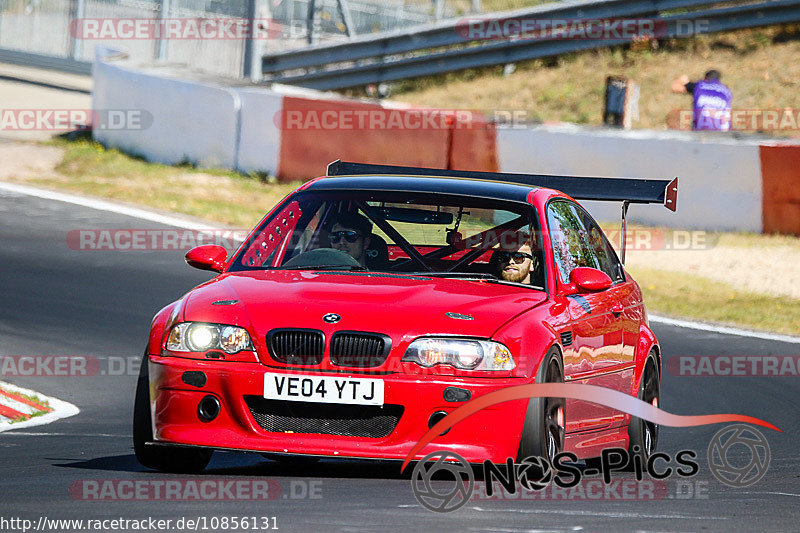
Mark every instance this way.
x=396 y=305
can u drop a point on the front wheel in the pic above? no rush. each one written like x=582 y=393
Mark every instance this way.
x=178 y=460
x=642 y=433
x=545 y=420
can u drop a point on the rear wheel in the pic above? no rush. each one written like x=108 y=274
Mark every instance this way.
x=179 y=460
x=545 y=420
x=642 y=433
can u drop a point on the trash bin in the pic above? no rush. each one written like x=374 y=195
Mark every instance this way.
x=621 y=103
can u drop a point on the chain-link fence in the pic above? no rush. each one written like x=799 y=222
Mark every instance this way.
x=58 y=28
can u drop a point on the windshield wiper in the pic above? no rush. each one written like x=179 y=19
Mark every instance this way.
x=515 y=284
x=348 y=268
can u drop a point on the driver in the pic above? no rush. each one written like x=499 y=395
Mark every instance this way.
x=516 y=263
x=350 y=233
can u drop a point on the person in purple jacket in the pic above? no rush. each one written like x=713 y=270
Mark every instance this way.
x=712 y=101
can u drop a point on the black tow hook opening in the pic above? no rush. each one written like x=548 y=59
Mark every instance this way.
x=209 y=408
x=435 y=418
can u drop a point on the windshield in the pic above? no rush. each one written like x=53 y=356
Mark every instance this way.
x=441 y=235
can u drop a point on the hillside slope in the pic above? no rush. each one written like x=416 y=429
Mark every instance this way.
x=761 y=66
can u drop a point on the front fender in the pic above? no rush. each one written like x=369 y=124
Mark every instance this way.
x=158 y=326
x=529 y=338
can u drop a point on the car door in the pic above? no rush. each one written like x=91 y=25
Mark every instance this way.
x=597 y=340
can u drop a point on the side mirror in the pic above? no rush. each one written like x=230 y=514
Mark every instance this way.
x=208 y=257
x=585 y=279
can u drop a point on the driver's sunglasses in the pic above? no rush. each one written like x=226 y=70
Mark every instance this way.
x=517 y=257
x=349 y=236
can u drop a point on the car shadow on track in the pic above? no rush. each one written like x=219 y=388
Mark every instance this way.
x=249 y=464
x=115 y=463
x=254 y=465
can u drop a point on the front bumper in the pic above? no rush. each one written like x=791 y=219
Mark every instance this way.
x=492 y=433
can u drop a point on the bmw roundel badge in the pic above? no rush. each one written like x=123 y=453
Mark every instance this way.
x=331 y=318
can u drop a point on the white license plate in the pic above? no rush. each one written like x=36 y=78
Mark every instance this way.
x=323 y=389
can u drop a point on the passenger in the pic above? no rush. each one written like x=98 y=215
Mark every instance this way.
x=515 y=265
x=350 y=233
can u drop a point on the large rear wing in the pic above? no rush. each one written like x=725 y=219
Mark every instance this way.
x=624 y=190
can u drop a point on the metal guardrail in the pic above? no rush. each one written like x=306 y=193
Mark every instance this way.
x=408 y=54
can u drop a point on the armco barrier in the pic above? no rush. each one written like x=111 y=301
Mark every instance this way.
x=719 y=177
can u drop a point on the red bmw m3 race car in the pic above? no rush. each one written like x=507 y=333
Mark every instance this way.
x=372 y=302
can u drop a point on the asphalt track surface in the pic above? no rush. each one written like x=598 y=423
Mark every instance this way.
x=60 y=301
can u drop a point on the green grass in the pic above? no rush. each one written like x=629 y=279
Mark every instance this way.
x=216 y=195
x=24 y=418
x=33 y=398
x=686 y=295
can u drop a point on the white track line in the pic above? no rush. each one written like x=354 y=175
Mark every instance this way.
x=104 y=205
x=43 y=434
x=61 y=409
x=725 y=330
x=143 y=214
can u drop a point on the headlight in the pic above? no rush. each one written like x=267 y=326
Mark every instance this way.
x=200 y=337
x=466 y=354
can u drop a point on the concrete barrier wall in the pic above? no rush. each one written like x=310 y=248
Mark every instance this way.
x=259 y=143
x=315 y=132
x=780 y=170
x=719 y=180
x=724 y=183
x=192 y=121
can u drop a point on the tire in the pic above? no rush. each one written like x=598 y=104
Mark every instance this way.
x=177 y=460
x=545 y=420
x=643 y=434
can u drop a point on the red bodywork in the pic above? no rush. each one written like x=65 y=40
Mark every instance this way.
x=608 y=348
